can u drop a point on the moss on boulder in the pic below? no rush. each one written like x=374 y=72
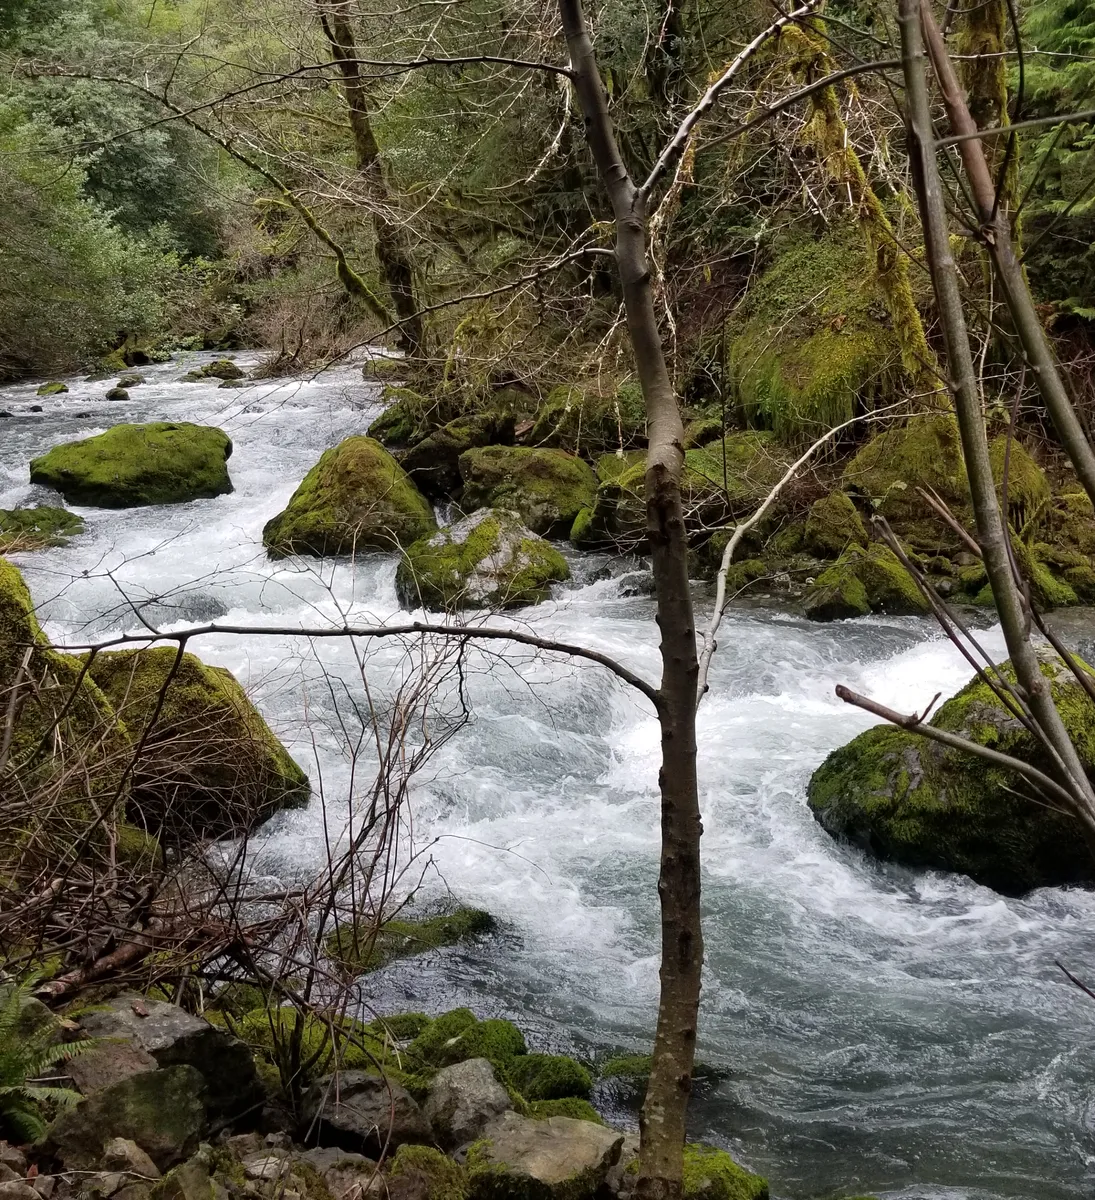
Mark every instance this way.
x=568 y=1106
x=580 y=420
x=434 y=462
x=904 y=798
x=550 y=1077
x=356 y=497
x=458 y=1035
x=210 y=764
x=131 y=465
x=360 y=947
x=711 y=1174
x=221 y=368
x=486 y=560
x=833 y=525
x=861 y=581
x=37 y=528
x=54 y=388
x=546 y=488
x=428 y=1172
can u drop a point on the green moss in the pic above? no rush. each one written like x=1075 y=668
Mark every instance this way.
x=582 y=420
x=132 y=465
x=1070 y=523
x=136 y=848
x=434 y=461
x=905 y=798
x=37 y=528
x=52 y=389
x=567 y=1106
x=711 y=1174
x=400 y=1027
x=360 y=948
x=833 y=525
x=457 y=1036
x=609 y=467
x=404 y=420
x=1046 y=591
x=702 y=431
x=549 y=1077
x=815 y=345
x=356 y=497
x=443 y=1178
x=546 y=488
x=326 y=1042
x=862 y=581
x=211 y=764
x=130 y=381
x=1028 y=488
x=632 y=1067
x=487 y=560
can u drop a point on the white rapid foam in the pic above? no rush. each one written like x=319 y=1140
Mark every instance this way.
x=883 y=1030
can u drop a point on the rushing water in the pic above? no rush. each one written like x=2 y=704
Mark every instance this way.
x=881 y=1030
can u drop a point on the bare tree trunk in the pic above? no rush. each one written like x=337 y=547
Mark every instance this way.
x=392 y=250
x=991 y=530
x=996 y=236
x=664 y=1112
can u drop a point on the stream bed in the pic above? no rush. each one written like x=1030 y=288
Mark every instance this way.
x=877 y=1030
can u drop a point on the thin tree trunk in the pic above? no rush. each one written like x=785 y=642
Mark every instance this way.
x=392 y=249
x=662 y=1124
x=996 y=235
x=991 y=530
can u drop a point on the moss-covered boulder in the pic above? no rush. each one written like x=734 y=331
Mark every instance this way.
x=813 y=344
x=357 y=497
x=362 y=946
x=37 y=528
x=546 y=488
x=711 y=1174
x=221 y=368
x=434 y=462
x=904 y=798
x=54 y=388
x=210 y=764
x=1047 y=591
x=550 y=1077
x=423 y=1171
x=130 y=381
x=833 y=525
x=583 y=421
x=131 y=465
x=862 y=581
x=116 y=393
x=486 y=560
x=458 y=1035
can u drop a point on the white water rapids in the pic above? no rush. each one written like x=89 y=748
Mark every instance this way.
x=886 y=1031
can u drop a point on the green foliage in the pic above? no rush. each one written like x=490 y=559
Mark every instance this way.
x=29 y=1048
x=361 y=947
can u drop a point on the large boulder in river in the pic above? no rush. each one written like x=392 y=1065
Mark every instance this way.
x=487 y=560
x=130 y=465
x=861 y=581
x=546 y=488
x=356 y=497
x=434 y=462
x=210 y=764
x=917 y=802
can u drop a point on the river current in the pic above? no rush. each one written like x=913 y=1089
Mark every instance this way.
x=875 y=1029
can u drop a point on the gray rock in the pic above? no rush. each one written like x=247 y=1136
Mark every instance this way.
x=44 y=1185
x=355 y=1110
x=12 y=1156
x=108 y=1063
x=134 y=1191
x=117 y=393
x=17 y=1189
x=464 y=1099
x=556 y=1159
x=162 y=1111
x=122 y=1154
x=619 y=1181
x=326 y=1158
x=192 y=1181
x=174 y=1037
x=7 y=1174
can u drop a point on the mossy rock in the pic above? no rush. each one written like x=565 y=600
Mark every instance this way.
x=357 y=497
x=546 y=488
x=833 y=525
x=409 y=416
x=486 y=560
x=117 y=393
x=328 y=1041
x=702 y=431
x=359 y=947
x=210 y=765
x=904 y=798
x=863 y=581
x=1028 y=490
x=1046 y=590
x=130 y=381
x=434 y=462
x=581 y=420
x=429 y=1173
x=1070 y=523
x=54 y=388
x=609 y=467
x=113 y=363
x=133 y=465
x=458 y=1035
x=813 y=344
x=550 y=1077
x=221 y=368
x=711 y=1174
x=568 y=1106
x=67 y=742
x=37 y=528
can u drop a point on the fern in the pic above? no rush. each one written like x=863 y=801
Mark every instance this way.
x=29 y=1050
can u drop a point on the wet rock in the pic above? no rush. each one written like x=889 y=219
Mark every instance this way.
x=546 y=488
x=54 y=388
x=862 y=581
x=35 y=408
x=463 y=1100
x=359 y=1111
x=434 y=462
x=130 y=381
x=117 y=393
x=711 y=1174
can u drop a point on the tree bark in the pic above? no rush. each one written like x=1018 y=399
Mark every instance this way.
x=662 y=1123
x=393 y=252
x=991 y=530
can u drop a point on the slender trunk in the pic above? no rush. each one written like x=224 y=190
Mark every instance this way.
x=392 y=249
x=662 y=1124
x=996 y=235
x=991 y=530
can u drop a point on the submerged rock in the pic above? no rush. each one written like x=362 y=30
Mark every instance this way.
x=221 y=368
x=132 y=465
x=546 y=488
x=356 y=497
x=916 y=802
x=863 y=581
x=486 y=560
x=210 y=765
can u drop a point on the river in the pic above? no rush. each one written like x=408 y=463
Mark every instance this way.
x=878 y=1030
